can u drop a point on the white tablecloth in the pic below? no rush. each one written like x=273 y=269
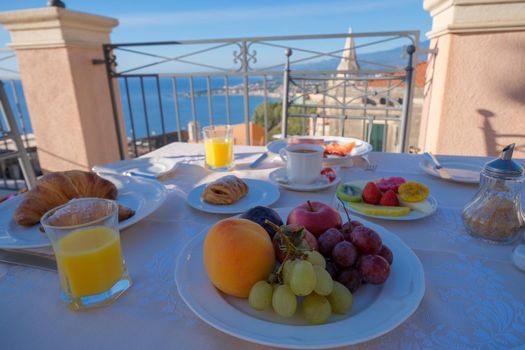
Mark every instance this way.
x=474 y=296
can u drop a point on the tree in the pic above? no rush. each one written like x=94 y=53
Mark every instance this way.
x=296 y=125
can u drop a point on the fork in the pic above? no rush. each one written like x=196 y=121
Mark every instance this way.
x=371 y=167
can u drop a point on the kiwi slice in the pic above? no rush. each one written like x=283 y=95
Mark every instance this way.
x=349 y=193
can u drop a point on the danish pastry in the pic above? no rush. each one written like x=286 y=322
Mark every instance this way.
x=226 y=190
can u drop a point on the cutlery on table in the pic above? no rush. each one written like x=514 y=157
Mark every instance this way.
x=259 y=160
x=436 y=165
x=28 y=259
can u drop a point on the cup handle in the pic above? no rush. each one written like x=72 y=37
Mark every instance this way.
x=282 y=153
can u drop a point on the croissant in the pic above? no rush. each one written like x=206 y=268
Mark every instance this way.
x=55 y=189
x=226 y=190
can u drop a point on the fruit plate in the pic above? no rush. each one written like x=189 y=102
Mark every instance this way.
x=377 y=309
x=361 y=148
x=259 y=193
x=413 y=215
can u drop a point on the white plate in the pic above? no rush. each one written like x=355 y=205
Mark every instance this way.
x=376 y=310
x=279 y=177
x=413 y=215
x=152 y=167
x=259 y=193
x=142 y=195
x=361 y=148
x=459 y=172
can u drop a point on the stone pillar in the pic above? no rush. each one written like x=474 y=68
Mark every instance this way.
x=67 y=96
x=475 y=92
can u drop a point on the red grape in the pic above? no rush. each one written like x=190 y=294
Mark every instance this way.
x=374 y=268
x=331 y=268
x=366 y=240
x=328 y=240
x=386 y=253
x=344 y=254
x=350 y=278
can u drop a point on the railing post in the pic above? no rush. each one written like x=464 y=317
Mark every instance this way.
x=109 y=60
x=246 y=91
x=407 y=102
x=286 y=81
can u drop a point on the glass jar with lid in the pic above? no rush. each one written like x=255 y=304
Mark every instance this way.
x=495 y=213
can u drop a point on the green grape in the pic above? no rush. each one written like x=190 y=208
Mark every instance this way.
x=260 y=295
x=324 y=283
x=316 y=258
x=287 y=270
x=303 y=278
x=341 y=299
x=284 y=301
x=316 y=309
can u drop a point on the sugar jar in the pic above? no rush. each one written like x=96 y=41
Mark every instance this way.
x=495 y=214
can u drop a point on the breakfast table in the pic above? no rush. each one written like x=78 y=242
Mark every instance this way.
x=474 y=296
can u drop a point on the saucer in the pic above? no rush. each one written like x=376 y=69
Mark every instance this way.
x=279 y=177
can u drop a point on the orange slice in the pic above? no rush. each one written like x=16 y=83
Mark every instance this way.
x=413 y=191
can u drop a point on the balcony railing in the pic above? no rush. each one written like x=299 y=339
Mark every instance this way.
x=11 y=174
x=169 y=90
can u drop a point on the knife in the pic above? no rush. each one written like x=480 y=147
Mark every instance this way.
x=436 y=165
x=259 y=160
x=28 y=260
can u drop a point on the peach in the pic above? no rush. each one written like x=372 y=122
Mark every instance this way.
x=237 y=254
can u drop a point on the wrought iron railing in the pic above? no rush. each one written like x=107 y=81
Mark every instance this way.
x=11 y=173
x=164 y=87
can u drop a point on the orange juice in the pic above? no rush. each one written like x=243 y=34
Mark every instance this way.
x=219 y=152
x=90 y=260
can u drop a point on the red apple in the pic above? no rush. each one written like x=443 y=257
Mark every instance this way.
x=316 y=217
x=309 y=240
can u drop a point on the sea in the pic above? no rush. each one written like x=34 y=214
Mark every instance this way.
x=139 y=105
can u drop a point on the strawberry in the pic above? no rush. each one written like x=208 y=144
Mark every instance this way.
x=371 y=193
x=389 y=199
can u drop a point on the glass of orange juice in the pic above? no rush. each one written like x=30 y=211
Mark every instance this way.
x=86 y=241
x=218 y=144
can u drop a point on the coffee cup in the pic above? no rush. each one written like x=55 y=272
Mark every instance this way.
x=303 y=162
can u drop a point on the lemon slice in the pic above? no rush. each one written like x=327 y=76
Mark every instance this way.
x=413 y=191
x=379 y=210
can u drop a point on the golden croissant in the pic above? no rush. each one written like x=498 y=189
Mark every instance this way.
x=55 y=189
x=226 y=190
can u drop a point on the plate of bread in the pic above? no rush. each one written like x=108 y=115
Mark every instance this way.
x=232 y=195
x=20 y=216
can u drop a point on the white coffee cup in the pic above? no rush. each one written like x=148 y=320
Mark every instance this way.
x=303 y=162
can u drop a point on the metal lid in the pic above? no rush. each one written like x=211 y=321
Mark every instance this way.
x=504 y=166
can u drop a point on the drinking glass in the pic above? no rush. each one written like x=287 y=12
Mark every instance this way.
x=86 y=241
x=218 y=144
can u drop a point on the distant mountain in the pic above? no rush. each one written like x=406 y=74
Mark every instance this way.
x=394 y=57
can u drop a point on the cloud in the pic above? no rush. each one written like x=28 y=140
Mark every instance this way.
x=179 y=18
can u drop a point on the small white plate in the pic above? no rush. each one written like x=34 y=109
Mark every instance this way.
x=142 y=195
x=377 y=309
x=148 y=167
x=259 y=193
x=279 y=177
x=413 y=215
x=361 y=148
x=459 y=172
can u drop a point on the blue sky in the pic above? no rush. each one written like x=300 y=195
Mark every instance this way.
x=206 y=19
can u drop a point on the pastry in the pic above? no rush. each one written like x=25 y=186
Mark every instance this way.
x=226 y=190
x=55 y=189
